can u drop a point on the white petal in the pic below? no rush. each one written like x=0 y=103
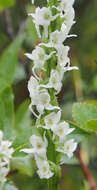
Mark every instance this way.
x=46 y=44
x=50 y=107
x=72 y=35
x=29 y=55
x=1 y=135
x=45 y=139
x=49 y=56
x=59 y=150
x=28 y=150
x=70 y=68
x=33 y=70
x=46 y=31
x=40 y=108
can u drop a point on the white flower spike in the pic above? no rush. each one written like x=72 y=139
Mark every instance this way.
x=43 y=101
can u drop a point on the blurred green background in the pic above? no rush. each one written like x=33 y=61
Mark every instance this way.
x=17 y=36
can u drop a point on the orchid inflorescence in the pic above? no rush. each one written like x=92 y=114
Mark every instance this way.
x=50 y=62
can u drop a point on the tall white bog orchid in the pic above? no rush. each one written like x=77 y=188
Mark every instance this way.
x=50 y=57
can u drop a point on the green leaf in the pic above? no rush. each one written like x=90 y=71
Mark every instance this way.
x=83 y=112
x=23 y=126
x=92 y=125
x=6 y=112
x=78 y=134
x=33 y=183
x=31 y=32
x=22 y=119
x=9 y=62
x=6 y=3
x=24 y=165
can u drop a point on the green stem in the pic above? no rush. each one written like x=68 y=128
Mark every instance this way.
x=52 y=185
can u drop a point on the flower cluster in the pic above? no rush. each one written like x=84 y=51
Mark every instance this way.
x=50 y=62
x=5 y=156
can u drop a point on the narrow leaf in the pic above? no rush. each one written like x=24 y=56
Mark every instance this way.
x=9 y=62
x=6 y=112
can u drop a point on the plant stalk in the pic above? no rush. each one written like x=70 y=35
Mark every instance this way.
x=52 y=185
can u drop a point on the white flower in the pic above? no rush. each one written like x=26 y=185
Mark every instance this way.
x=44 y=101
x=44 y=169
x=43 y=16
x=65 y=5
x=69 y=19
x=33 y=88
x=39 y=57
x=52 y=119
x=5 y=150
x=64 y=60
x=68 y=148
x=56 y=39
x=41 y=100
x=55 y=80
x=62 y=129
x=3 y=173
x=38 y=146
x=69 y=15
x=62 y=54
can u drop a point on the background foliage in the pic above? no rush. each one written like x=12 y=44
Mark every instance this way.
x=17 y=36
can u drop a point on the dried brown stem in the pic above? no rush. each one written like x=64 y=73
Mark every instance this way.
x=87 y=173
